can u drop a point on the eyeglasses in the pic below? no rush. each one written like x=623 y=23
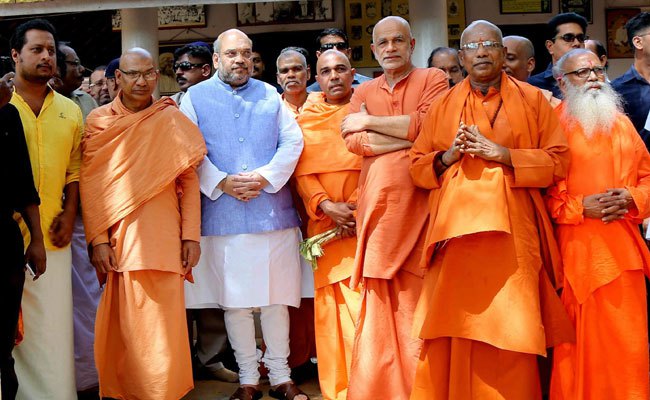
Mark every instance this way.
x=247 y=54
x=150 y=75
x=99 y=83
x=487 y=45
x=186 y=65
x=570 y=37
x=584 y=73
x=338 y=45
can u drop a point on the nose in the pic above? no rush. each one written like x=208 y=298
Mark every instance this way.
x=592 y=76
x=179 y=71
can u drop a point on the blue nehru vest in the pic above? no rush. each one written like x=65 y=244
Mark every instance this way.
x=241 y=131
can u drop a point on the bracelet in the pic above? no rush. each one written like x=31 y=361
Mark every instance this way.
x=442 y=161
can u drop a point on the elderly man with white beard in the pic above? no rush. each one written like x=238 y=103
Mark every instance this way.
x=597 y=208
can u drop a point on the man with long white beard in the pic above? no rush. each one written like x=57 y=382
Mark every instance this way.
x=597 y=208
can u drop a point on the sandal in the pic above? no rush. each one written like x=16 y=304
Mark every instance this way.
x=286 y=391
x=246 y=393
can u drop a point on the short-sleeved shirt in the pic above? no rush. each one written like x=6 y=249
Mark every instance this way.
x=545 y=80
x=635 y=91
x=54 y=144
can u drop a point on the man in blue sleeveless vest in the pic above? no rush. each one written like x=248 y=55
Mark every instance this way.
x=249 y=225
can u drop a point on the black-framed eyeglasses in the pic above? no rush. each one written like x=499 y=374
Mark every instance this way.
x=338 y=45
x=150 y=75
x=487 y=45
x=584 y=73
x=570 y=37
x=186 y=65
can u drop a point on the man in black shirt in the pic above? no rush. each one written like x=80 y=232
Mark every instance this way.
x=20 y=195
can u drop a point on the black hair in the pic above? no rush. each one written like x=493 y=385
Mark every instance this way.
x=60 y=59
x=635 y=25
x=439 y=50
x=17 y=40
x=200 y=52
x=332 y=32
x=564 y=18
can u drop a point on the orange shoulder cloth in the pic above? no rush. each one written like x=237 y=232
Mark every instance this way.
x=324 y=149
x=129 y=157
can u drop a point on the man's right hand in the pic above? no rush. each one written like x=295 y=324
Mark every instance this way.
x=232 y=185
x=341 y=213
x=104 y=259
x=6 y=88
x=601 y=206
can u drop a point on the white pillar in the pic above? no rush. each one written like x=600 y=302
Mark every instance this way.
x=140 y=29
x=428 y=20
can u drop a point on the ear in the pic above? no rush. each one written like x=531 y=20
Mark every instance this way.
x=412 y=44
x=530 y=64
x=353 y=71
x=562 y=85
x=277 y=79
x=205 y=70
x=308 y=72
x=549 y=46
x=636 y=41
x=14 y=55
x=318 y=53
x=461 y=58
x=215 y=60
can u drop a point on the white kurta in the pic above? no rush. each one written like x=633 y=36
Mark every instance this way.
x=253 y=269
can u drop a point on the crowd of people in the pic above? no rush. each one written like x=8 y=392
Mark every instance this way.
x=480 y=228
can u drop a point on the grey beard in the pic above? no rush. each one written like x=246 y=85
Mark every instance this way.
x=594 y=110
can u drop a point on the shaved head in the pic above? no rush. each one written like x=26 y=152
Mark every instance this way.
x=135 y=52
x=333 y=54
x=481 y=23
x=392 y=19
x=520 y=57
x=525 y=46
x=234 y=33
x=335 y=75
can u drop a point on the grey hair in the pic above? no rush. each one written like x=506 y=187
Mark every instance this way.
x=558 y=68
x=288 y=53
x=481 y=22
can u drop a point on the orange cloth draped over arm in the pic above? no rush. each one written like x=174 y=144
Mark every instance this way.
x=327 y=171
x=475 y=197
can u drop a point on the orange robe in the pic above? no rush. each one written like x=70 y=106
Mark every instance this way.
x=604 y=290
x=391 y=222
x=140 y=194
x=327 y=171
x=488 y=306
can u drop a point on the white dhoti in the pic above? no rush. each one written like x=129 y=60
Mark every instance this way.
x=45 y=358
x=247 y=270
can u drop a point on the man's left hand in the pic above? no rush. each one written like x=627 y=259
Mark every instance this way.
x=61 y=229
x=191 y=252
x=355 y=122
x=480 y=146
x=621 y=199
x=248 y=185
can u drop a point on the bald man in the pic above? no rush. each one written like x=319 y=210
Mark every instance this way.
x=487 y=307
x=446 y=59
x=327 y=177
x=520 y=62
x=385 y=118
x=144 y=241
x=250 y=229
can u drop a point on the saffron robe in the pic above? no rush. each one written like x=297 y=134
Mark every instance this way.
x=140 y=194
x=489 y=248
x=328 y=171
x=604 y=290
x=391 y=221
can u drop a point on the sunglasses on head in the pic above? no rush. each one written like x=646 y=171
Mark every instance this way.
x=186 y=65
x=330 y=46
x=570 y=37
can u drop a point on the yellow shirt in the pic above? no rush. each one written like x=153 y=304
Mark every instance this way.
x=54 y=144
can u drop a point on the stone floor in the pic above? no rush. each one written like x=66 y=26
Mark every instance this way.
x=215 y=390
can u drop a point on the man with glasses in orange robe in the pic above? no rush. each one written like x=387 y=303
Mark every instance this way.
x=597 y=210
x=488 y=307
x=141 y=210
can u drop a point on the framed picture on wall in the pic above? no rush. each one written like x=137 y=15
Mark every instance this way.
x=618 y=44
x=171 y=17
x=581 y=7
x=283 y=12
x=525 y=6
